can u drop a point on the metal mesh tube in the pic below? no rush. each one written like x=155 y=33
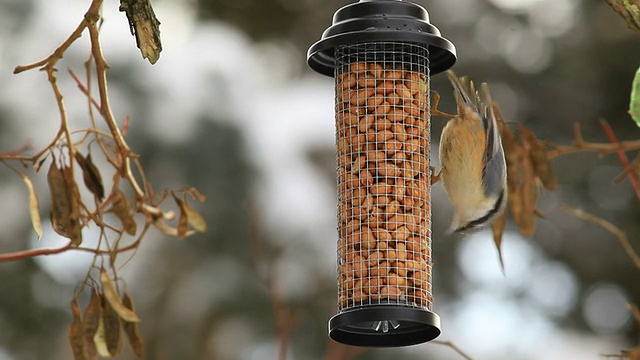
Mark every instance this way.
x=384 y=206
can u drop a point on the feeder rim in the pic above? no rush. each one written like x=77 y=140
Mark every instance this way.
x=321 y=55
x=425 y=326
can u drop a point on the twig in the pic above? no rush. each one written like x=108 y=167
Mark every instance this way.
x=25 y=254
x=57 y=54
x=622 y=237
x=601 y=148
x=453 y=347
x=84 y=90
x=16 y=151
x=623 y=157
x=20 y=255
x=105 y=107
x=633 y=167
x=628 y=13
x=286 y=318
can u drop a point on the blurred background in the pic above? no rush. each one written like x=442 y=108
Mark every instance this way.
x=232 y=109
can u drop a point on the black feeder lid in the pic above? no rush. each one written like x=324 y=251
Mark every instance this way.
x=381 y=20
x=384 y=326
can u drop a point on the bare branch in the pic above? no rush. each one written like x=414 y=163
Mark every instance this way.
x=630 y=13
x=454 y=347
x=601 y=148
x=622 y=237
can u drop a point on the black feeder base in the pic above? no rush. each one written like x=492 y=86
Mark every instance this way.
x=384 y=326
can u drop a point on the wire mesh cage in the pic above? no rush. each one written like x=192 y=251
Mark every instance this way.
x=382 y=138
x=382 y=123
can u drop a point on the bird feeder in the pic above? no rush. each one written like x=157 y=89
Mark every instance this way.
x=381 y=54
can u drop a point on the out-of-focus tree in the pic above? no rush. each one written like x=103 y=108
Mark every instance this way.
x=253 y=287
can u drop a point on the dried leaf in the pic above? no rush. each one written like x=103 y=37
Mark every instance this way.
x=100 y=340
x=60 y=201
x=111 y=321
x=541 y=164
x=516 y=205
x=120 y=207
x=75 y=332
x=91 y=175
x=111 y=295
x=91 y=323
x=131 y=328
x=167 y=229
x=529 y=195
x=34 y=206
x=183 y=220
x=65 y=217
x=74 y=228
x=195 y=219
x=512 y=152
x=188 y=216
x=497 y=228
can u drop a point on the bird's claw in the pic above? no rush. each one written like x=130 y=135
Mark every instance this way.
x=434 y=177
x=434 y=107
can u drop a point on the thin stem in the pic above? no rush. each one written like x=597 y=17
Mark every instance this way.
x=602 y=148
x=622 y=237
x=454 y=347
x=59 y=52
x=24 y=254
x=623 y=157
x=105 y=107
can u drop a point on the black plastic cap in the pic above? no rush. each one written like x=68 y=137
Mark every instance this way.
x=365 y=326
x=381 y=20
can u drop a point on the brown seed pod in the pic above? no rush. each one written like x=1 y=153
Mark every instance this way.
x=529 y=196
x=131 y=328
x=90 y=324
x=76 y=336
x=120 y=208
x=538 y=154
x=512 y=152
x=65 y=218
x=90 y=175
x=111 y=295
x=111 y=321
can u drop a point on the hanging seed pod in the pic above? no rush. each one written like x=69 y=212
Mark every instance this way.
x=76 y=338
x=111 y=295
x=90 y=324
x=111 y=321
x=121 y=209
x=64 y=207
x=538 y=154
x=131 y=328
x=90 y=175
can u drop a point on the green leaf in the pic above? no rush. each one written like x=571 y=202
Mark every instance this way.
x=634 y=103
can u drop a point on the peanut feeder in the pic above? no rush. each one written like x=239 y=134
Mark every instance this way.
x=381 y=54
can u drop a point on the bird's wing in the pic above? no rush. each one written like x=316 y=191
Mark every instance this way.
x=495 y=167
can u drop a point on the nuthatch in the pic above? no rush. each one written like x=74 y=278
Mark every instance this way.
x=473 y=171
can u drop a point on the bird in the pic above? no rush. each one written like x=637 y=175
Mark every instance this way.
x=473 y=168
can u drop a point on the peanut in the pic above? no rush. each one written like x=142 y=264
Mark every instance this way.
x=382 y=144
